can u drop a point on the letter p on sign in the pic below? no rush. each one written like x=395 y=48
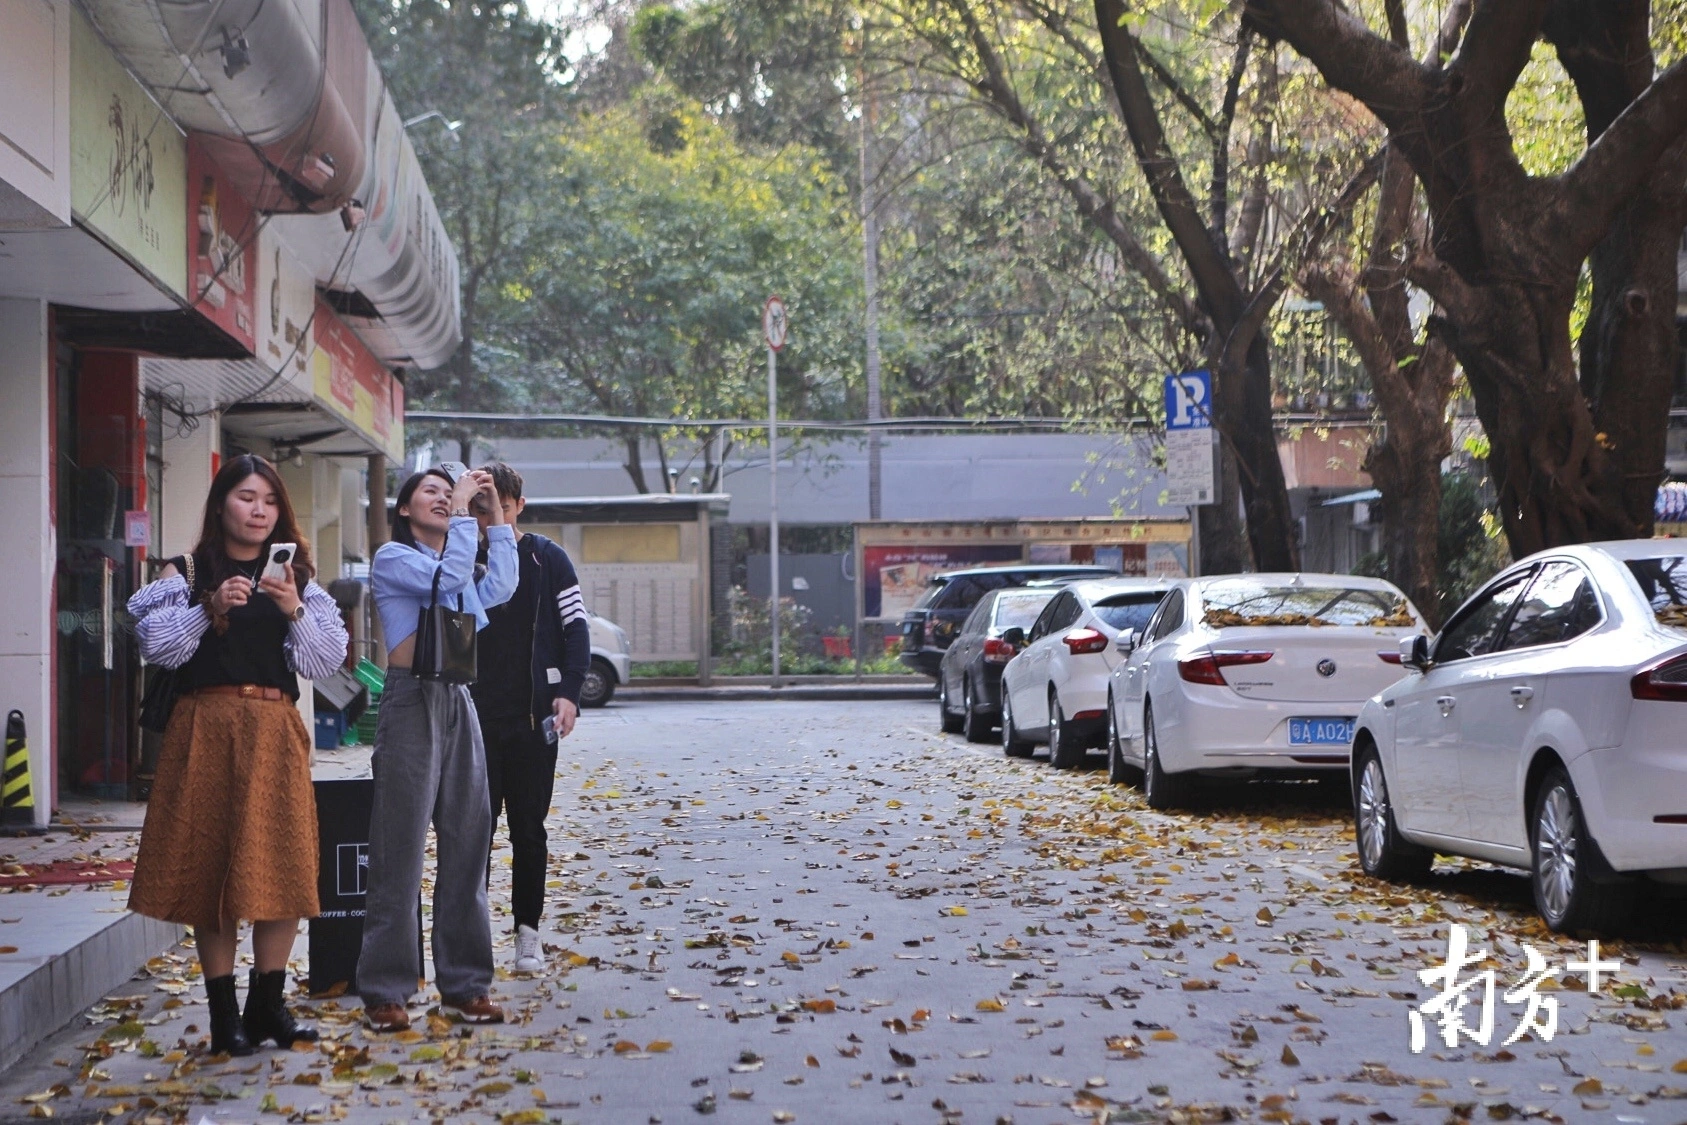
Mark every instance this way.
x=1189 y=399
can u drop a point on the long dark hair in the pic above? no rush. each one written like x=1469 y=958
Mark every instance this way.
x=401 y=532
x=212 y=552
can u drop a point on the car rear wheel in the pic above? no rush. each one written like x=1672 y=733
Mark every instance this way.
x=946 y=719
x=1012 y=744
x=1160 y=789
x=599 y=686
x=974 y=727
x=1383 y=852
x=1066 y=746
x=1565 y=893
x=1119 y=772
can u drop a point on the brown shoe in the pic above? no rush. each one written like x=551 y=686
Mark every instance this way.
x=387 y=1017
x=481 y=1009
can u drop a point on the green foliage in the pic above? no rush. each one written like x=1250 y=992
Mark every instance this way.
x=1469 y=546
x=662 y=238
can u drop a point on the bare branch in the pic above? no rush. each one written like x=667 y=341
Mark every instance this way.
x=1601 y=183
x=1218 y=195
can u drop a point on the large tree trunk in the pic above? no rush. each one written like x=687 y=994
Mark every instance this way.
x=635 y=461
x=1244 y=416
x=1629 y=347
x=1510 y=246
x=1410 y=509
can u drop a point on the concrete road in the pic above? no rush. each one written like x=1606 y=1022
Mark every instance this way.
x=827 y=912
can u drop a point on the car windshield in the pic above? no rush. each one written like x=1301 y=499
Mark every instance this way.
x=1128 y=611
x=933 y=592
x=1019 y=611
x=1663 y=582
x=1231 y=604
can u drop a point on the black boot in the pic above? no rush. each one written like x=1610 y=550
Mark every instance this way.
x=267 y=1016
x=228 y=1035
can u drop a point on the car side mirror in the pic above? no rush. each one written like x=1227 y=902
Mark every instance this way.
x=1414 y=652
x=1127 y=642
x=1014 y=637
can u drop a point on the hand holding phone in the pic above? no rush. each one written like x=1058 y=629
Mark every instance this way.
x=454 y=470
x=280 y=561
x=549 y=727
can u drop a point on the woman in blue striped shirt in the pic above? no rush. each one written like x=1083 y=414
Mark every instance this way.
x=429 y=762
x=230 y=830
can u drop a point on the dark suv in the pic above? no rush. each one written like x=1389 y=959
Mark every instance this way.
x=928 y=628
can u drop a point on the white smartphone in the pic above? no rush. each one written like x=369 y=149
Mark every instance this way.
x=280 y=558
x=454 y=470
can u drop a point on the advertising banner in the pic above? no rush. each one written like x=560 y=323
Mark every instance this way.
x=894 y=577
x=351 y=382
x=222 y=252
x=128 y=162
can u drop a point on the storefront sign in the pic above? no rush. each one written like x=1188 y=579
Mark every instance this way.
x=285 y=299
x=351 y=382
x=34 y=127
x=897 y=576
x=128 y=163
x=222 y=251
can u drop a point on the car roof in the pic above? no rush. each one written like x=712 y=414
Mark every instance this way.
x=1050 y=570
x=1300 y=578
x=1625 y=549
x=1091 y=588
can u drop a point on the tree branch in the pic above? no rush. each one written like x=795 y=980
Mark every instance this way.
x=998 y=91
x=1208 y=262
x=1349 y=55
x=1601 y=183
x=1218 y=194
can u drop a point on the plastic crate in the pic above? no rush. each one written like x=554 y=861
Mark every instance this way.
x=371 y=677
x=330 y=728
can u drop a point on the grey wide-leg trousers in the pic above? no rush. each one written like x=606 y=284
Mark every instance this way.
x=429 y=765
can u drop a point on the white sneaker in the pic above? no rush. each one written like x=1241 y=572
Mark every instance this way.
x=527 y=957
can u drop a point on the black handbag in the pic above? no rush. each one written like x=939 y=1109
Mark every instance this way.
x=164 y=685
x=445 y=641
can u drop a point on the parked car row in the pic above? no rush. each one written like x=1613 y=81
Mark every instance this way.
x=1534 y=731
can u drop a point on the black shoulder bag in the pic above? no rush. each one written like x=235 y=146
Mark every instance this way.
x=164 y=684
x=445 y=641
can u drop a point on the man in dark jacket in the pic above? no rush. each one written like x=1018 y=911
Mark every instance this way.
x=533 y=657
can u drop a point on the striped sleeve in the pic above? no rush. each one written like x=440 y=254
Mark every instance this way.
x=169 y=629
x=570 y=605
x=316 y=644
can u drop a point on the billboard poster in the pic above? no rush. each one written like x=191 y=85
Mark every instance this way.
x=894 y=577
x=222 y=251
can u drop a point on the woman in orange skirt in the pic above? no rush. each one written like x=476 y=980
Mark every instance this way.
x=230 y=829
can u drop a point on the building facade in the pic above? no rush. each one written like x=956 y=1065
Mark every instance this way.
x=214 y=239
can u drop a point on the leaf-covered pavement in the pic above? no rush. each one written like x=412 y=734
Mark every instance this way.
x=826 y=912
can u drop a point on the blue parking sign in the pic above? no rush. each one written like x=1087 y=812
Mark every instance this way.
x=1189 y=401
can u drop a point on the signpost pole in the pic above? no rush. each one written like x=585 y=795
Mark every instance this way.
x=773 y=502
x=773 y=326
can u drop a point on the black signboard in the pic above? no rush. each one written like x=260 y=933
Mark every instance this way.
x=342 y=884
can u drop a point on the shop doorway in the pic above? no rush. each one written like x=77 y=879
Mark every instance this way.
x=97 y=481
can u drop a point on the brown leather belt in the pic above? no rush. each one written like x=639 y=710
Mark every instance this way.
x=244 y=691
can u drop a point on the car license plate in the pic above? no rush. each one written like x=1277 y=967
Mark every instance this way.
x=1320 y=732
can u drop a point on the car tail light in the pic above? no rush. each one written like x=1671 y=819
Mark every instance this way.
x=1665 y=681
x=1209 y=667
x=1389 y=656
x=1080 y=641
x=998 y=651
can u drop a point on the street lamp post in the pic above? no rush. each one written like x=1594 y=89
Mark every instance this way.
x=774 y=328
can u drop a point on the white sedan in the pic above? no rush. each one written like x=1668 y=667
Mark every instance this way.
x=1542 y=730
x=1252 y=672
x=1055 y=690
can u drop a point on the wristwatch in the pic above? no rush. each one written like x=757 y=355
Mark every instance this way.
x=298 y=613
x=458 y=513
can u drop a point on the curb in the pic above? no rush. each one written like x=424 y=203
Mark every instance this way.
x=42 y=994
x=794 y=693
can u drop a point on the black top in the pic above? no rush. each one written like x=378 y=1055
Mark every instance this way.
x=503 y=688
x=249 y=652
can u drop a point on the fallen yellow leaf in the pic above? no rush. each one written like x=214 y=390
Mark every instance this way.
x=1164 y=1036
x=657 y=1046
x=991 y=1005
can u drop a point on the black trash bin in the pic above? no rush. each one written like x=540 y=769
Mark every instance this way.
x=342 y=884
